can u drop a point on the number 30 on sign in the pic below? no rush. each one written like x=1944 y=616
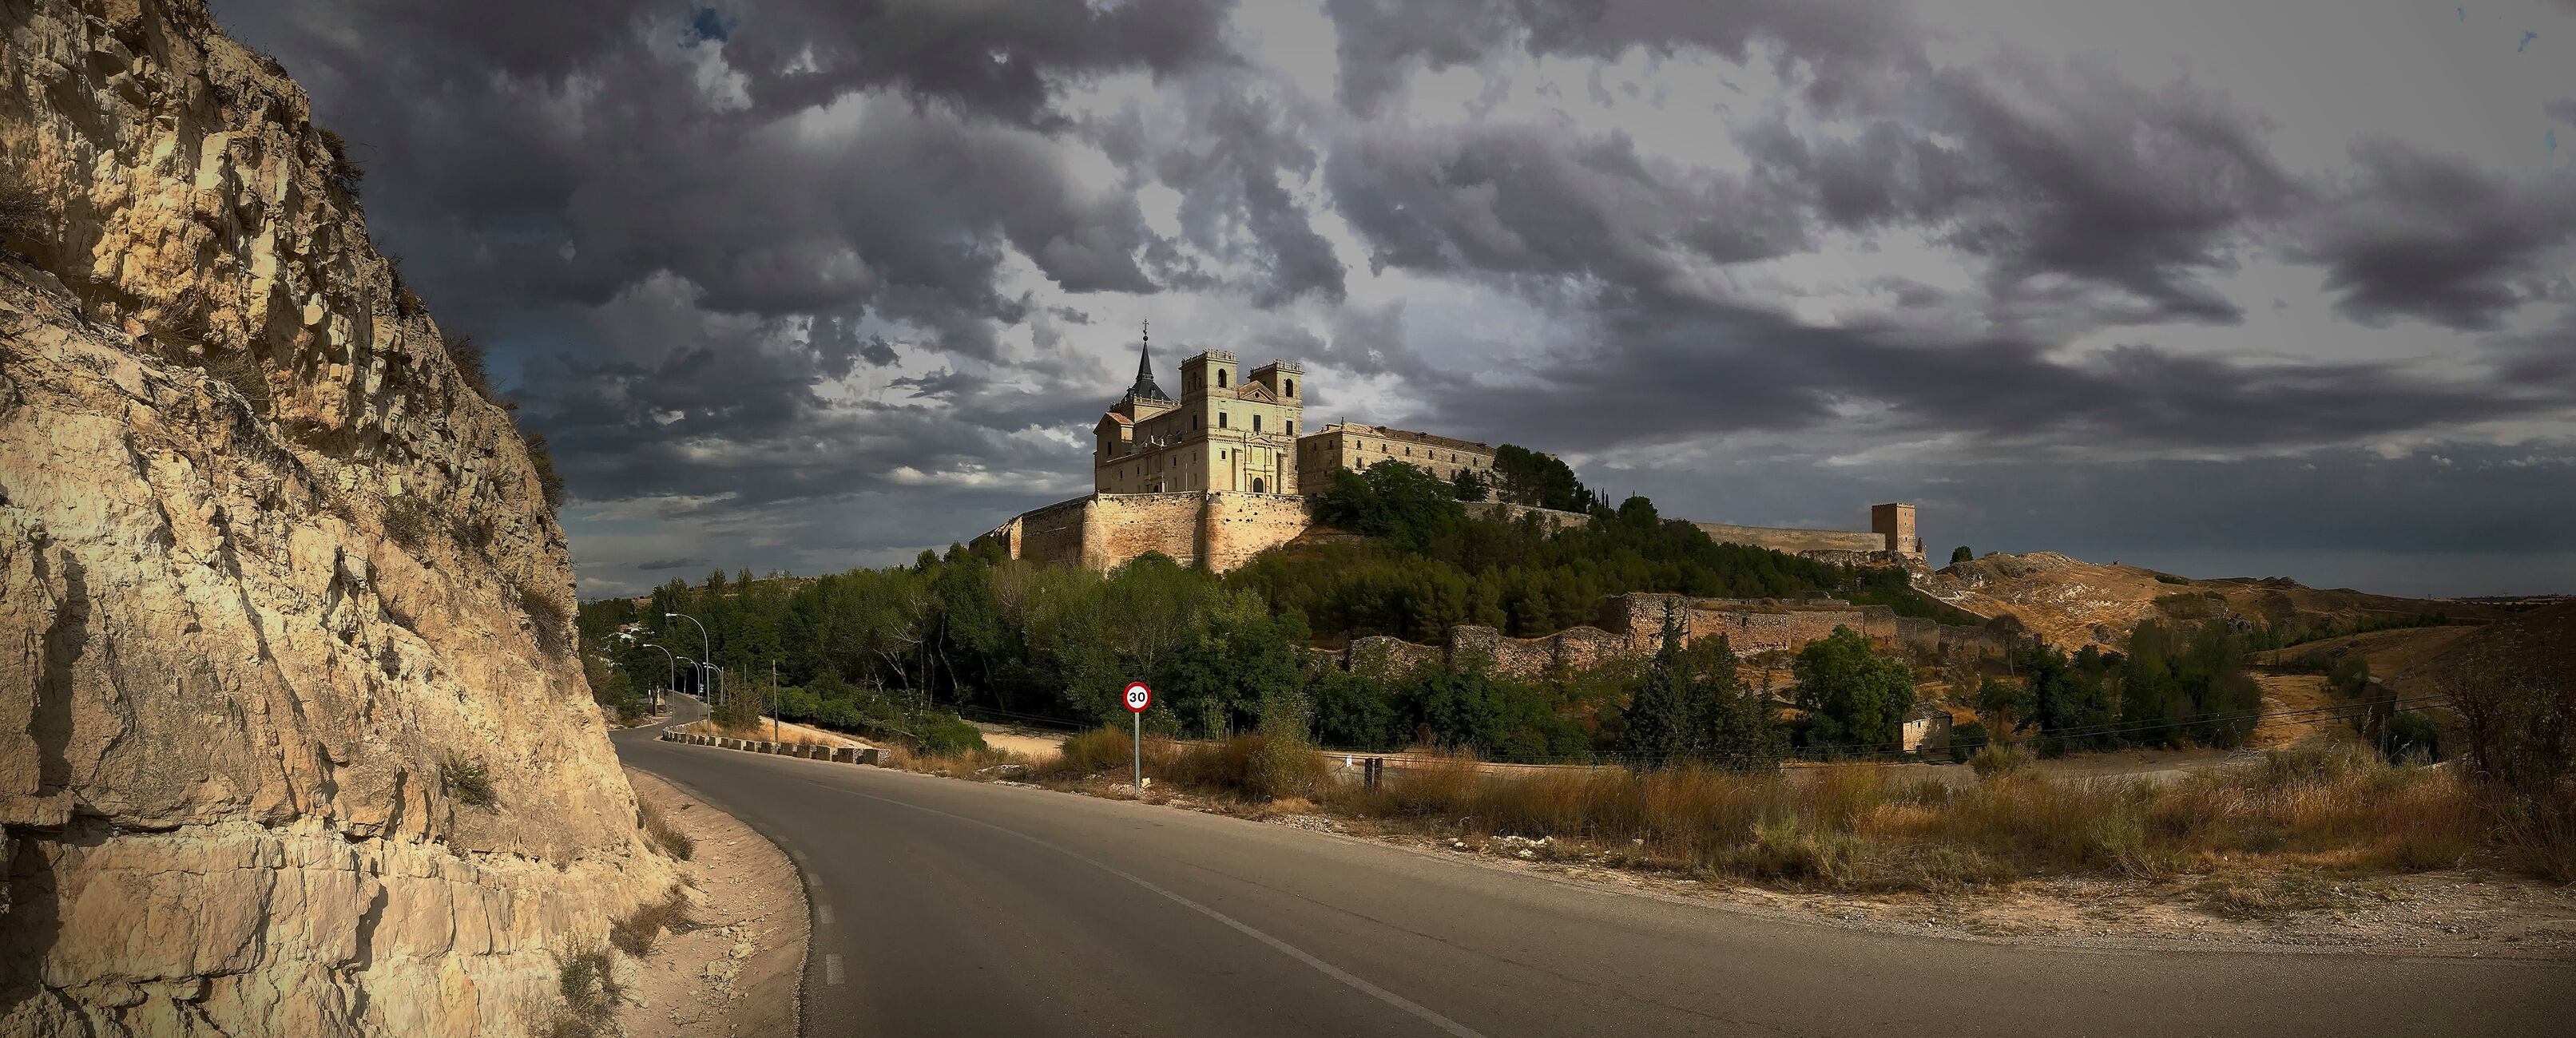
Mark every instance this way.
x=1139 y=697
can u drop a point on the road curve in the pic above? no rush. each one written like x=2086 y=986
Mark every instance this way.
x=959 y=908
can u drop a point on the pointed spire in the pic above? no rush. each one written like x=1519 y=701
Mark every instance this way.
x=1145 y=389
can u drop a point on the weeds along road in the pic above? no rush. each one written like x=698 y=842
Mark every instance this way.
x=945 y=907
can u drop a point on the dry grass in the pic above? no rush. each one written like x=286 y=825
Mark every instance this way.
x=468 y=779
x=590 y=992
x=2340 y=810
x=636 y=933
x=663 y=834
x=953 y=765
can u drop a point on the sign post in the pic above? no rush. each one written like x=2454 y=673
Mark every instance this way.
x=1138 y=698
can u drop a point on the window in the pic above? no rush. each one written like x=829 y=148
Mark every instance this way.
x=1256 y=423
x=1292 y=423
x=1220 y=419
x=1256 y=484
x=1220 y=378
x=1292 y=387
x=1194 y=423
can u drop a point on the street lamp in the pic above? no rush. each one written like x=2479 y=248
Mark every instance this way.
x=704 y=643
x=675 y=674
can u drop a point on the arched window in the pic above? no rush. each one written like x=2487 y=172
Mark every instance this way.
x=1256 y=484
x=1220 y=378
x=1292 y=387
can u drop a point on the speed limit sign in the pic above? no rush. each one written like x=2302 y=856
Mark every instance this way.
x=1138 y=696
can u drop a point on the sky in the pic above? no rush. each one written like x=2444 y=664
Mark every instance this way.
x=2226 y=289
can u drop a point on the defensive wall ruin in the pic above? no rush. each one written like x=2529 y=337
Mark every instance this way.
x=1891 y=543
x=1631 y=625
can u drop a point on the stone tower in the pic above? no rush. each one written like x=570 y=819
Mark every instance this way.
x=1894 y=521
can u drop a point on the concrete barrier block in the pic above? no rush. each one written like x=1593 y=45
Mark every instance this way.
x=873 y=755
x=845 y=755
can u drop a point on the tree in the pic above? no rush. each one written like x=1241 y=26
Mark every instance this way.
x=1526 y=477
x=1961 y=554
x=1405 y=505
x=1690 y=706
x=1853 y=697
x=1471 y=485
x=1658 y=713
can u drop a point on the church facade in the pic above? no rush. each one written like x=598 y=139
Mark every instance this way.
x=1231 y=430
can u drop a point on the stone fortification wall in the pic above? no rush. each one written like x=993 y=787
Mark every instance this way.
x=1631 y=624
x=1547 y=517
x=1235 y=527
x=1795 y=542
x=1105 y=531
x=1050 y=534
x=1120 y=527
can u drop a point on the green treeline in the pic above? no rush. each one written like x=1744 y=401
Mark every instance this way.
x=2173 y=687
x=904 y=650
x=1426 y=566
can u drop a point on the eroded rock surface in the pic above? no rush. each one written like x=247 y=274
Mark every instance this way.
x=270 y=572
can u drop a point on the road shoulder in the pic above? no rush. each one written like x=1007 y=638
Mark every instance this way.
x=738 y=967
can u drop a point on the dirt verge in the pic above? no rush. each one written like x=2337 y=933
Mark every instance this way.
x=737 y=966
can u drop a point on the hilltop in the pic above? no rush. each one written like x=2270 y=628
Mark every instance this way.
x=2072 y=603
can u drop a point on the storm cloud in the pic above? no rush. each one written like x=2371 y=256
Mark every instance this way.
x=796 y=284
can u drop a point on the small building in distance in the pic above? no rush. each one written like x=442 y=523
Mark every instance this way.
x=1344 y=445
x=1927 y=729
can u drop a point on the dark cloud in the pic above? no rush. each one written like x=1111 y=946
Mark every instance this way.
x=1834 y=46
x=1661 y=375
x=1516 y=201
x=804 y=284
x=2423 y=236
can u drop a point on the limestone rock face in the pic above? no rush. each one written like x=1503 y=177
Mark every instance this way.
x=269 y=569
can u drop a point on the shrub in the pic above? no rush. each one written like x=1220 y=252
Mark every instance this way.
x=1096 y=751
x=344 y=172
x=410 y=521
x=550 y=484
x=636 y=933
x=243 y=373
x=468 y=779
x=949 y=735
x=1997 y=758
x=659 y=830
x=1967 y=741
x=590 y=992
x=22 y=210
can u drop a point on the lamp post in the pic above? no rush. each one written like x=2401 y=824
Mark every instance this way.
x=705 y=644
x=675 y=675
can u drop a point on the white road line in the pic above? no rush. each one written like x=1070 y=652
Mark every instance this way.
x=832 y=963
x=832 y=969
x=822 y=913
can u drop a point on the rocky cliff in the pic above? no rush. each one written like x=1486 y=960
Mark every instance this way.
x=276 y=581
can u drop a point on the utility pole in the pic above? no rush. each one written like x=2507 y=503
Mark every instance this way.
x=773 y=700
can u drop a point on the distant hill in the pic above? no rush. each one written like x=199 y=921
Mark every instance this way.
x=2073 y=603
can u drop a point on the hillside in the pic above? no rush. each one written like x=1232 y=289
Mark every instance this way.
x=285 y=579
x=2073 y=603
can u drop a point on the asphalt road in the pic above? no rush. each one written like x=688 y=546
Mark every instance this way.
x=959 y=908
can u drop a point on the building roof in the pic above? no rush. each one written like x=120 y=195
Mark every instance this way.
x=1145 y=389
x=1405 y=436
